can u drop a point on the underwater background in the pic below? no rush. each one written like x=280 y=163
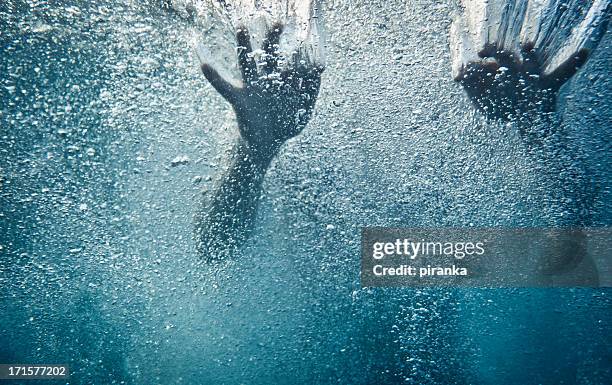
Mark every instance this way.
x=108 y=133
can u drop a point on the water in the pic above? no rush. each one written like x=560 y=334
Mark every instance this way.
x=109 y=132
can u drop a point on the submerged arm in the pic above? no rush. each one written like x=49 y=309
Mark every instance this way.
x=228 y=210
x=514 y=75
x=272 y=104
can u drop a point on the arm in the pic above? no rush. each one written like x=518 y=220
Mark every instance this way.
x=512 y=59
x=514 y=75
x=272 y=105
x=228 y=210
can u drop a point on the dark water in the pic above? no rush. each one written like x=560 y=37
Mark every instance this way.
x=98 y=268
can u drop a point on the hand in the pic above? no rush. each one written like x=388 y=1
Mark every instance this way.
x=502 y=86
x=512 y=59
x=277 y=96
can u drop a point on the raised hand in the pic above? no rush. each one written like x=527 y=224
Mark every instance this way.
x=507 y=85
x=512 y=59
x=277 y=95
x=273 y=103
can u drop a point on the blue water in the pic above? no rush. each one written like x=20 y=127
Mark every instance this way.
x=97 y=263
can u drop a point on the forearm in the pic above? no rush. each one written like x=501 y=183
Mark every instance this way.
x=227 y=214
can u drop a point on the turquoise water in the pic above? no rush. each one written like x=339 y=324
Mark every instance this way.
x=98 y=267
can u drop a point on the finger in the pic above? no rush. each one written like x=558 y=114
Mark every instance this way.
x=223 y=87
x=272 y=38
x=246 y=63
x=507 y=59
x=584 y=38
x=270 y=45
x=318 y=69
x=488 y=50
x=567 y=69
x=531 y=61
x=486 y=66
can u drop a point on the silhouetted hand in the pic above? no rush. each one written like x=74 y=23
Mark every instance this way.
x=506 y=84
x=513 y=57
x=277 y=96
x=273 y=103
